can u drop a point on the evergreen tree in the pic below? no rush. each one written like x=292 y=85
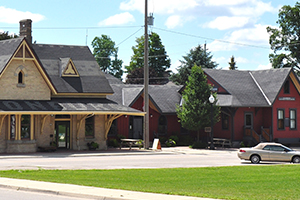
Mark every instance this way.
x=232 y=64
x=104 y=51
x=197 y=56
x=195 y=112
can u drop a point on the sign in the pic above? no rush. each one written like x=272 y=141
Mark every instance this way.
x=156 y=144
x=207 y=129
x=287 y=98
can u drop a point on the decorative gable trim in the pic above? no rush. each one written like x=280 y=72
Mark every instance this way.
x=68 y=68
x=295 y=80
x=24 y=53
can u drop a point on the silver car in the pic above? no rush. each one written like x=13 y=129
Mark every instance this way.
x=269 y=152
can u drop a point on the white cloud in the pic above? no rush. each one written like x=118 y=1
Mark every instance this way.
x=174 y=21
x=224 y=22
x=240 y=60
x=262 y=67
x=257 y=35
x=13 y=16
x=118 y=19
x=160 y=6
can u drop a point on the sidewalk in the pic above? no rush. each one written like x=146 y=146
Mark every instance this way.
x=86 y=192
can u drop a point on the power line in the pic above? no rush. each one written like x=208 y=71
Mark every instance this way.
x=213 y=39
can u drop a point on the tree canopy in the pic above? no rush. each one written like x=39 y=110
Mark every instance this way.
x=285 y=40
x=158 y=58
x=195 y=112
x=106 y=55
x=4 y=35
x=197 y=56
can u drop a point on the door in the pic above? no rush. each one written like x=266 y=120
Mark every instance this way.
x=62 y=134
x=138 y=128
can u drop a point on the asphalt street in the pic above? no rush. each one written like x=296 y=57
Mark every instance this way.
x=122 y=159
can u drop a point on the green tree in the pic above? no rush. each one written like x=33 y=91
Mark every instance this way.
x=232 y=64
x=106 y=55
x=197 y=56
x=195 y=112
x=285 y=40
x=158 y=58
x=5 y=35
x=137 y=76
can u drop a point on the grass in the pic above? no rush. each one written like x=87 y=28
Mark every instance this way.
x=239 y=182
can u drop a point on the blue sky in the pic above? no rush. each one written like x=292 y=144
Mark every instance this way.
x=230 y=28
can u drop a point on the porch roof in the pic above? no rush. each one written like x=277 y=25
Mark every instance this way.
x=66 y=106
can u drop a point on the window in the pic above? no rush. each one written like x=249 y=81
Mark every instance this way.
x=280 y=119
x=20 y=78
x=162 y=125
x=89 y=127
x=248 y=120
x=25 y=126
x=225 y=121
x=286 y=89
x=293 y=119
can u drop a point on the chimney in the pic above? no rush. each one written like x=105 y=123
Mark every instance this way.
x=25 y=29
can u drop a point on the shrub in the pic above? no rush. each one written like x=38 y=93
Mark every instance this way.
x=112 y=143
x=170 y=143
x=199 y=145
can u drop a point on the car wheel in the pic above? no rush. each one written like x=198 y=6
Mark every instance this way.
x=255 y=159
x=296 y=159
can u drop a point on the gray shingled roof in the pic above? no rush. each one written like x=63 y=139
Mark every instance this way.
x=249 y=88
x=165 y=97
x=7 y=49
x=66 y=105
x=91 y=79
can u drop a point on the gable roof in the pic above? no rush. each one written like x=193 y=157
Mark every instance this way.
x=51 y=58
x=7 y=49
x=249 y=88
x=164 y=97
x=90 y=80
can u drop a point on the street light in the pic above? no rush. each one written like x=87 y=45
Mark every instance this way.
x=211 y=100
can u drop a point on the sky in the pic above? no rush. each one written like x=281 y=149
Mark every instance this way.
x=229 y=28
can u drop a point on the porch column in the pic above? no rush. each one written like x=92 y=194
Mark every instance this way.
x=31 y=127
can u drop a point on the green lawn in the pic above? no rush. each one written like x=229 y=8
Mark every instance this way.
x=240 y=182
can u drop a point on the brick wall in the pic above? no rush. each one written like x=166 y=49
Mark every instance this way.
x=34 y=88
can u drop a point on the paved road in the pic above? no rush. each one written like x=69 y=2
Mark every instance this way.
x=168 y=158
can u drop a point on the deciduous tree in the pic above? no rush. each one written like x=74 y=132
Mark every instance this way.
x=285 y=40
x=106 y=55
x=158 y=58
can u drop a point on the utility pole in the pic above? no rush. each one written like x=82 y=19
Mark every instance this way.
x=146 y=82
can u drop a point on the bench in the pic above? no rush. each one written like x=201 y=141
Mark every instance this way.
x=131 y=142
x=222 y=142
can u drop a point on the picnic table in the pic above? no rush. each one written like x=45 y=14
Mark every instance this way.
x=221 y=141
x=131 y=142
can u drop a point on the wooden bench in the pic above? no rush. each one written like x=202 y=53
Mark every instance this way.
x=131 y=142
x=222 y=142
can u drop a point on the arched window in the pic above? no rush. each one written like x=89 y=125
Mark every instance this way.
x=21 y=78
